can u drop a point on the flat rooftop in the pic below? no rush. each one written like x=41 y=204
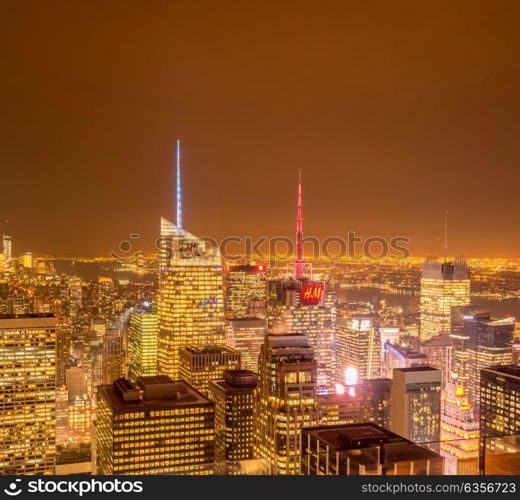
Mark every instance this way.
x=14 y=321
x=511 y=370
x=354 y=436
x=404 y=352
x=21 y=316
x=362 y=440
x=156 y=379
x=158 y=393
x=209 y=349
x=417 y=369
x=287 y=340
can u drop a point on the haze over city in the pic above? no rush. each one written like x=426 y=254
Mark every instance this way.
x=258 y=239
x=388 y=132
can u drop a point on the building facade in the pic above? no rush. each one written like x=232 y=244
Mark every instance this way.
x=364 y=449
x=358 y=348
x=243 y=284
x=28 y=394
x=200 y=365
x=443 y=286
x=246 y=335
x=416 y=404
x=191 y=296
x=499 y=445
x=308 y=308
x=459 y=432
x=233 y=399
x=144 y=329
x=156 y=426
x=285 y=401
x=490 y=342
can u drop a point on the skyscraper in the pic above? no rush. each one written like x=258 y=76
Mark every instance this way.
x=6 y=240
x=143 y=343
x=27 y=260
x=460 y=334
x=489 y=342
x=76 y=382
x=364 y=449
x=499 y=424
x=92 y=361
x=246 y=335
x=358 y=349
x=308 y=308
x=156 y=426
x=28 y=394
x=191 y=297
x=338 y=407
x=233 y=399
x=285 y=400
x=242 y=285
x=375 y=397
x=395 y=356
x=415 y=409
x=459 y=432
x=199 y=365
x=443 y=286
x=113 y=365
x=302 y=306
x=439 y=351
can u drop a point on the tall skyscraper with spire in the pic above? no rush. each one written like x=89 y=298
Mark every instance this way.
x=306 y=307
x=444 y=285
x=191 y=297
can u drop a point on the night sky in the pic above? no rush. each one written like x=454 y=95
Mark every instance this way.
x=393 y=111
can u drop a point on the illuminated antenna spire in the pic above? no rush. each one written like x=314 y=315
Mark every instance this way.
x=179 y=198
x=299 y=231
x=445 y=235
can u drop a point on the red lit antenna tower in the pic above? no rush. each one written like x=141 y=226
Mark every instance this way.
x=299 y=231
x=445 y=235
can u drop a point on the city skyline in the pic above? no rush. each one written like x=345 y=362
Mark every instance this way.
x=270 y=238
x=401 y=131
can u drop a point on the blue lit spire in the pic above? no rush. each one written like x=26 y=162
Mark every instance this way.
x=179 y=198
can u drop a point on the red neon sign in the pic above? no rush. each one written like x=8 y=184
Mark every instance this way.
x=311 y=294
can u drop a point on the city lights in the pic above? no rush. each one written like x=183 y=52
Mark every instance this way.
x=225 y=247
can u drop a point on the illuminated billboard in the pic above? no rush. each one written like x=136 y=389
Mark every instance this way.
x=312 y=293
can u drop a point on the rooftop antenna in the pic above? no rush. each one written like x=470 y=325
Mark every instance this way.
x=299 y=230
x=445 y=235
x=179 y=198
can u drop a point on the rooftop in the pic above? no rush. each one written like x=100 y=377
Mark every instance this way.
x=404 y=352
x=237 y=380
x=417 y=369
x=361 y=441
x=27 y=320
x=23 y=316
x=376 y=384
x=209 y=349
x=283 y=340
x=511 y=370
x=241 y=378
x=354 y=436
x=150 y=393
